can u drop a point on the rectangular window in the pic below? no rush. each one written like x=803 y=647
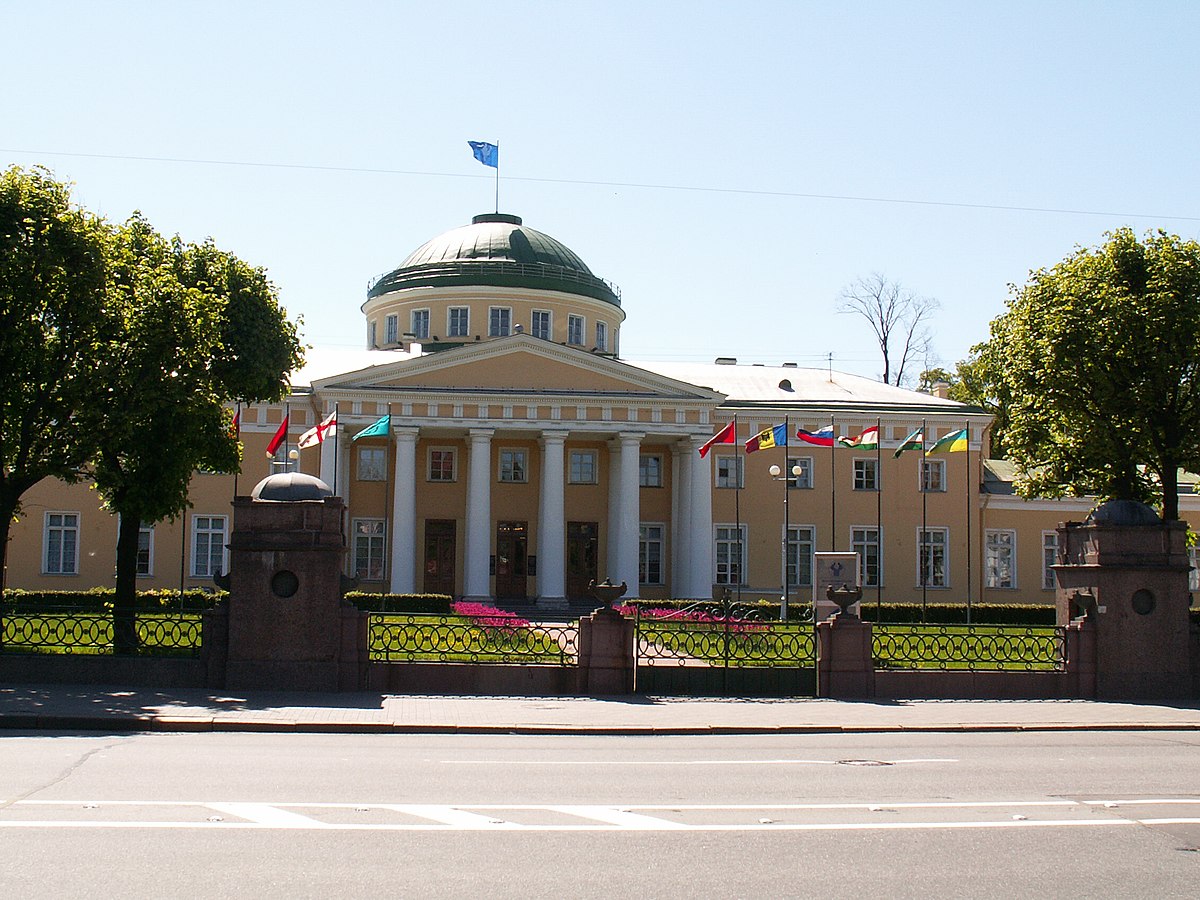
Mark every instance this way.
x=208 y=546
x=865 y=542
x=1194 y=562
x=933 y=475
x=280 y=461
x=650 y=470
x=391 y=330
x=803 y=480
x=145 y=550
x=512 y=466
x=372 y=464
x=601 y=335
x=801 y=543
x=583 y=467
x=730 y=553
x=540 y=326
x=866 y=475
x=420 y=324
x=933 y=557
x=1050 y=558
x=368 y=549
x=60 y=543
x=729 y=471
x=441 y=464
x=575 y=330
x=458 y=322
x=999 y=549
x=371 y=342
x=650 y=554
x=499 y=321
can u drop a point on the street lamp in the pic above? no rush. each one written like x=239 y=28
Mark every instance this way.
x=778 y=475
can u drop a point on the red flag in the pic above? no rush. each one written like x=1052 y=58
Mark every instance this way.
x=278 y=439
x=727 y=435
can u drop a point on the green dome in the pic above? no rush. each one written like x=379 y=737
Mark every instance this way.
x=496 y=250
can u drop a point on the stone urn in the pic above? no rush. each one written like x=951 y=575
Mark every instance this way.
x=844 y=596
x=606 y=592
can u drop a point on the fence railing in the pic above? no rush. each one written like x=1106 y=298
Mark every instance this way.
x=469 y=639
x=72 y=630
x=972 y=647
x=689 y=637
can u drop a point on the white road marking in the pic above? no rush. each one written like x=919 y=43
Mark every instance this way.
x=627 y=820
x=450 y=815
x=266 y=814
x=677 y=762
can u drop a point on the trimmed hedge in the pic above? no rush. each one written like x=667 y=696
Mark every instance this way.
x=413 y=604
x=898 y=613
x=101 y=600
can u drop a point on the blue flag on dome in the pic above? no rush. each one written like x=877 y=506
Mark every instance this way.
x=488 y=154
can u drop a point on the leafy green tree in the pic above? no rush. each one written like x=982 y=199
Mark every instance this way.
x=1096 y=364
x=52 y=300
x=972 y=383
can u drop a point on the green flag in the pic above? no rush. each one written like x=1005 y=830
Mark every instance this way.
x=914 y=441
x=955 y=442
x=379 y=428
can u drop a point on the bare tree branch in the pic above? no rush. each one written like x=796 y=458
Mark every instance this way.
x=899 y=319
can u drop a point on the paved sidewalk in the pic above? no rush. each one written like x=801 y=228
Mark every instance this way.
x=92 y=708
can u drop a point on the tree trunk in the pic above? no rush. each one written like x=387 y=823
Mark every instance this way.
x=1169 y=478
x=125 y=637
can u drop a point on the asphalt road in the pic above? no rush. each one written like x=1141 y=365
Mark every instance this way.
x=245 y=815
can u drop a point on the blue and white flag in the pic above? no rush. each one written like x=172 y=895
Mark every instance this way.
x=488 y=154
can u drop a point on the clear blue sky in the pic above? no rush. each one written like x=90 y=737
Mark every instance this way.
x=731 y=166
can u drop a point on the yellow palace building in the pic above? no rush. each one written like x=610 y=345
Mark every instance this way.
x=523 y=457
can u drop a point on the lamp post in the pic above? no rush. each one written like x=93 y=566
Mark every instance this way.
x=777 y=474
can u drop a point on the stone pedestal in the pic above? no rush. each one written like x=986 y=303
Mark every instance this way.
x=1129 y=571
x=845 y=667
x=606 y=653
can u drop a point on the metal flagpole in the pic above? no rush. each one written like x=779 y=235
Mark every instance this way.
x=237 y=435
x=924 y=542
x=878 y=522
x=337 y=432
x=783 y=608
x=832 y=487
x=387 y=504
x=497 y=192
x=967 y=479
x=737 y=505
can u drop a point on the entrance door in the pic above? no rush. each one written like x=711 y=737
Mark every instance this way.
x=440 y=537
x=511 y=542
x=583 y=545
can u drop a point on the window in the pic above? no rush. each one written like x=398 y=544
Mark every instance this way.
x=208 y=546
x=866 y=475
x=801 y=542
x=441 y=464
x=730 y=553
x=574 y=329
x=729 y=471
x=650 y=470
x=583 y=467
x=458 y=322
x=650 y=554
x=372 y=464
x=280 y=461
x=499 y=321
x=420 y=324
x=804 y=480
x=1194 y=562
x=933 y=475
x=60 y=544
x=601 y=335
x=512 y=466
x=371 y=339
x=865 y=542
x=540 y=326
x=368 y=549
x=932 y=570
x=145 y=550
x=391 y=330
x=998 y=557
x=1050 y=558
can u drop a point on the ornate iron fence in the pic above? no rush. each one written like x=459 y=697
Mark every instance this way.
x=473 y=639
x=69 y=630
x=975 y=647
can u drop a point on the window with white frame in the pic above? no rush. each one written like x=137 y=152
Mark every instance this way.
x=145 y=550
x=420 y=324
x=866 y=475
x=803 y=481
x=601 y=335
x=372 y=464
x=650 y=554
x=540 y=326
x=865 y=542
x=650 y=472
x=442 y=464
x=801 y=543
x=458 y=321
x=933 y=475
x=60 y=543
x=371 y=336
x=582 y=467
x=1194 y=562
x=512 y=465
x=391 y=329
x=575 y=330
x=729 y=556
x=729 y=471
x=499 y=321
x=999 y=558
x=369 y=537
x=280 y=462
x=1050 y=558
x=208 y=546
x=933 y=557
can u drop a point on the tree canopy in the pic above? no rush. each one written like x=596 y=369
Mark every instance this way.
x=1096 y=364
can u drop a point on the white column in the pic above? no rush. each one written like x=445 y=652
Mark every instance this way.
x=344 y=448
x=700 y=556
x=552 y=527
x=329 y=455
x=624 y=530
x=681 y=504
x=477 y=585
x=404 y=513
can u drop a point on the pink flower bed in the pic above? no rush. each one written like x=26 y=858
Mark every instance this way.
x=488 y=616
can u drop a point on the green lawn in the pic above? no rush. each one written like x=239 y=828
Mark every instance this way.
x=159 y=634
x=414 y=638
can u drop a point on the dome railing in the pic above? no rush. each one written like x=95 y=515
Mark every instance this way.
x=483 y=267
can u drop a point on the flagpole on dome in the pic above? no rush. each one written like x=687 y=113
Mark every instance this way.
x=497 y=177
